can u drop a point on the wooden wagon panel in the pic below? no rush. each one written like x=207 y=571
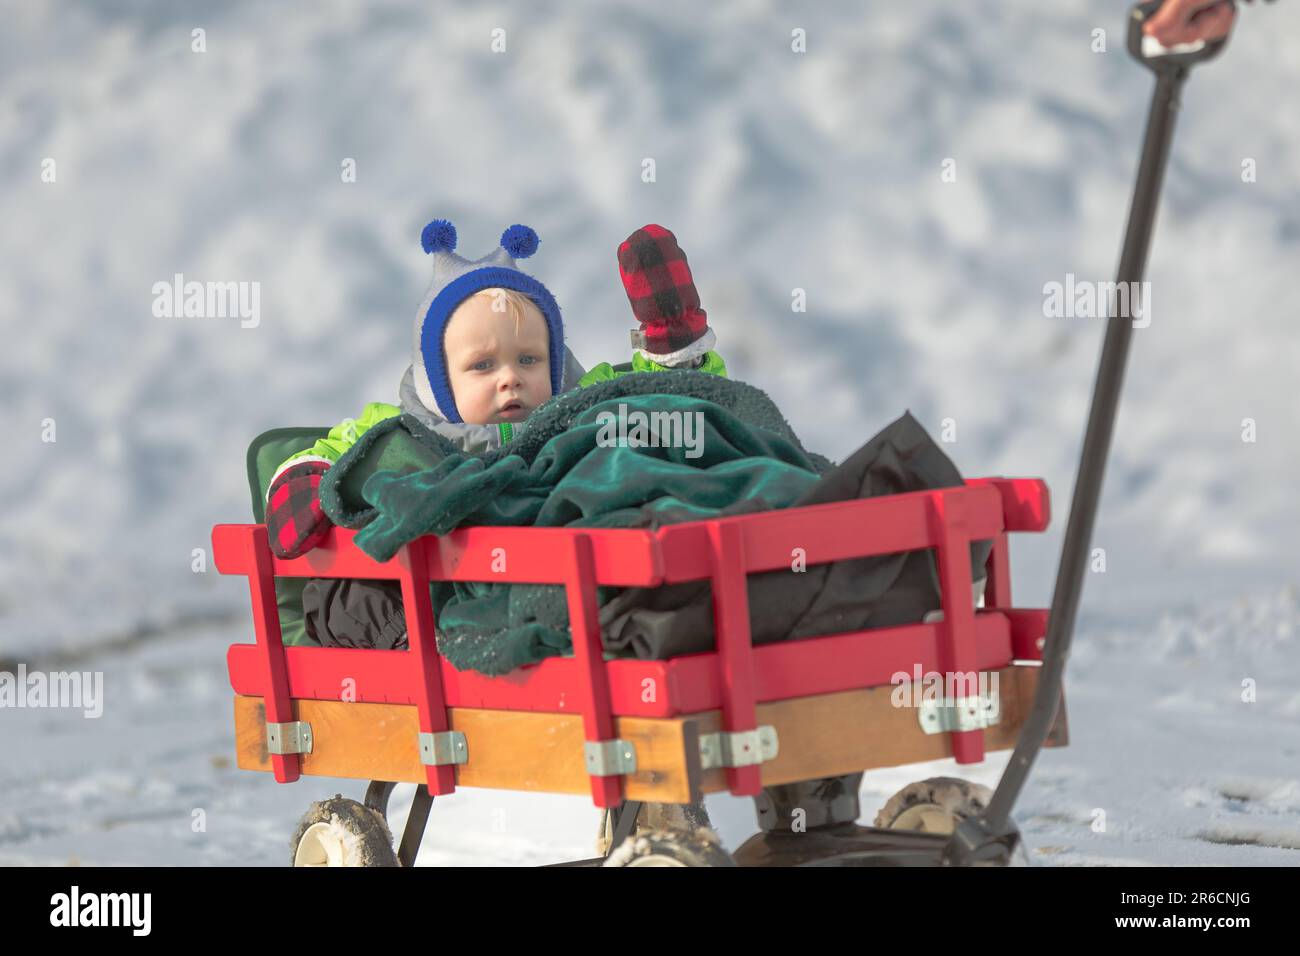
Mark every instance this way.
x=819 y=736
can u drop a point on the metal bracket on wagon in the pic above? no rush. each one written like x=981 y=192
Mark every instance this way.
x=960 y=713
x=742 y=748
x=609 y=758
x=291 y=737
x=443 y=748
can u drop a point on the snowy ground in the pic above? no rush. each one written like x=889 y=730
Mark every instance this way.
x=818 y=171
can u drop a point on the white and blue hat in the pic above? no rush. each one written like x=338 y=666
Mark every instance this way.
x=454 y=280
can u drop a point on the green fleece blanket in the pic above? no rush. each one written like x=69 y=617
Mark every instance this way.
x=637 y=451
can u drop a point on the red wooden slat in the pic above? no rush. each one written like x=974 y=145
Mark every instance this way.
x=232 y=548
x=588 y=652
x=1027 y=626
x=274 y=682
x=867 y=658
x=735 y=652
x=829 y=532
x=1026 y=502
x=429 y=698
x=669 y=688
x=625 y=557
x=997 y=590
x=628 y=557
x=957 y=630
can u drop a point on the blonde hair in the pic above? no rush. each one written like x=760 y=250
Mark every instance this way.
x=515 y=301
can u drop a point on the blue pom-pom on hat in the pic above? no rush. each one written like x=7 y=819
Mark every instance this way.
x=520 y=241
x=438 y=236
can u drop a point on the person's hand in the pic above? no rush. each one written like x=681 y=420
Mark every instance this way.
x=295 y=521
x=1186 y=21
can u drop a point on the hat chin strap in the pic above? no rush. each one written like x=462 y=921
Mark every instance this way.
x=684 y=356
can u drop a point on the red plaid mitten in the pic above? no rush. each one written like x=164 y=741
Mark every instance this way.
x=674 y=329
x=295 y=522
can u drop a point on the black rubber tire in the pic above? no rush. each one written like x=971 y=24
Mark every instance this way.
x=935 y=805
x=371 y=842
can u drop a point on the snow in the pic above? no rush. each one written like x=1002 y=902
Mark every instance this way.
x=818 y=171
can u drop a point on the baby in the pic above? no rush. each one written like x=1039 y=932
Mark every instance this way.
x=488 y=349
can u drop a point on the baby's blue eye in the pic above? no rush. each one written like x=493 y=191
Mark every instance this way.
x=481 y=366
x=529 y=359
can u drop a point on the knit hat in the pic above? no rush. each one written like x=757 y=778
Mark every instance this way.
x=674 y=330
x=454 y=280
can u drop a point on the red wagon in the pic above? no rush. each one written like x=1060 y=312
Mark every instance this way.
x=662 y=731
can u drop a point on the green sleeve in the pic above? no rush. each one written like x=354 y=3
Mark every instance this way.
x=343 y=435
x=712 y=364
x=599 y=373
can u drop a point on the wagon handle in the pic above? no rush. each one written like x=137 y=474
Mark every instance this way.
x=991 y=835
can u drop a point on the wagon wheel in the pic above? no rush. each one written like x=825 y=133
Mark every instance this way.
x=935 y=805
x=674 y=817
x=342 y=832
x=671 y=848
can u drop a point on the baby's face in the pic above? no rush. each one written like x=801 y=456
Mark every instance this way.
x=497 y=374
